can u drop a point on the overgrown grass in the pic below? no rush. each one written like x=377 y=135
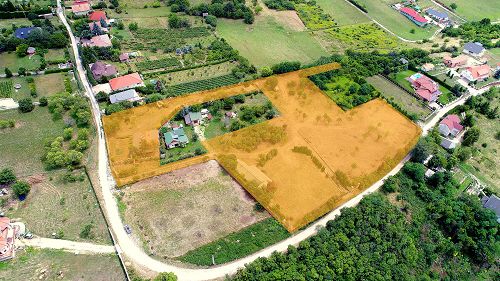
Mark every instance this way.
x=13 y=62
x=364 y=37
x=239 y=244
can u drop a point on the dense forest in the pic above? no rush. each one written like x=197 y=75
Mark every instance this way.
x=418 y=229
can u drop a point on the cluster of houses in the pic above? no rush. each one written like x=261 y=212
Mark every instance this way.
x=411 y=10
x=98 y=20
x=176 y=137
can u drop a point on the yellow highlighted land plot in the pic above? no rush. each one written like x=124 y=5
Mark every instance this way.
x=300 y=165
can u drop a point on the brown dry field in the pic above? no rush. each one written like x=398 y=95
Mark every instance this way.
x=189 y=209
x=345 y=152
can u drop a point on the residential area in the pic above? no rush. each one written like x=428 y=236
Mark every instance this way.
x=249 y=140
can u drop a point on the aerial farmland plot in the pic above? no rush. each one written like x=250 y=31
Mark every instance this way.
x=317 y=155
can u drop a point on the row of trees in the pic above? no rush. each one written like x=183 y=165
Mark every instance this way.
x=232 y=9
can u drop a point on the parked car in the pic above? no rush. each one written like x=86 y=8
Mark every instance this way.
x=128 y=229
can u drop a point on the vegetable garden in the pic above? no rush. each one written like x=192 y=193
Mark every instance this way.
x=164 y=39
x=6 y=89
x=156 y=64
x=201 y=85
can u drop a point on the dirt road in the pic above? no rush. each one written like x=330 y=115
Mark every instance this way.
x=70 y=246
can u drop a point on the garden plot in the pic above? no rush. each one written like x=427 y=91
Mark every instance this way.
x=316 y=156
x=400 y=97
x=188 y=208
x=362 y=38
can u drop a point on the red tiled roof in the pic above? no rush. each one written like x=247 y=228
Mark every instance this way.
x=453 y=122
x=412 y=13
x=81 y=7
x=479 y=71
x=100 y=41
x=97 y=16
x=125 y=81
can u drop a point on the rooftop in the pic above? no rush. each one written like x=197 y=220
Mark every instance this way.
x=453 y=122
x=80 y=7
x=474 y=47
x=412 y=13
x=97 y=16
x=125 y=81
x=123 y=96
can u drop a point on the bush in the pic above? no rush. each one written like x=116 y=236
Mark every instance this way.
x=86 y=232
x=21 y=188
x=133 y=26
x=43 y=101
x=7 y=123
x=68 y=134
x=7 y=176
x=266 y=71
x=26 y=105
x=286 y=66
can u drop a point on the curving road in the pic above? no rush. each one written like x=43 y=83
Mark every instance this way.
x=124 y=243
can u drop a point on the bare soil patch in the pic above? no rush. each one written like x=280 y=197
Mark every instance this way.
x=185 y=209
x=288 y=19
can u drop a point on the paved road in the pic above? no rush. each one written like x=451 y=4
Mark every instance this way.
x=137 y=255
x=71 y=246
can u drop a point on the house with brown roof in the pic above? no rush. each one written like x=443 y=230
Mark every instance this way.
x=81 y=9
x=100 y=69
x=125 y=82
x=456 y=61
x=450 y=125
x=476 y=73
x=424 y=87
x=101 y=41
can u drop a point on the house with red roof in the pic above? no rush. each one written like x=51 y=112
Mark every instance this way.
x=456 y=61
x=476 y=73
x=424 y=87
x=101 y=41
x=81 y=9
x=450 y=125
x=125 y=82
x=413 y=16
x=98 y=15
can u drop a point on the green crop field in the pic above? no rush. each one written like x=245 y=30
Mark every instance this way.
x=381 y=11
x=6 y=88
x=266 y=42
x=342 y=12
x=477 y=9
x=201 y=85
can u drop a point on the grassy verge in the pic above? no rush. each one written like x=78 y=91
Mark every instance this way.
x=239 y=244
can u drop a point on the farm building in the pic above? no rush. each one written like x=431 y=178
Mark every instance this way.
x=193 y=118
x=424 y=87
x=493 y=203
x=448 y=144
x=476 y=73
x=126 y=82
x=450 y=125
x=101 y=41
x=100 y=70
x=176 y=137
x=24 y=32
x=455 y=62
x=474 y=49
x=128 y=95
x=81 y=9
x=440 y=17
x=413 y=16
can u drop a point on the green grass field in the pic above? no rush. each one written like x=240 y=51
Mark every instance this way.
x=381 y=11
x=29 y=262
x=395 y=94
x=266 y=42
x=13 y=62
x=477 y=9
x=7 y=23
x=22 y=147
x=49 y=84
x=239 y=244
x=364 y=37
x=342 y=12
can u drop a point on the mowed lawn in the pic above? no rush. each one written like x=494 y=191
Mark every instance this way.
x=29 y=262
x=382 y=12
x=342 y=12
x=266 y=42
x=13 y=62
x=49 y=84
x=7 y=23
x=400 y=97
x=476 y=9
x=22 y=147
